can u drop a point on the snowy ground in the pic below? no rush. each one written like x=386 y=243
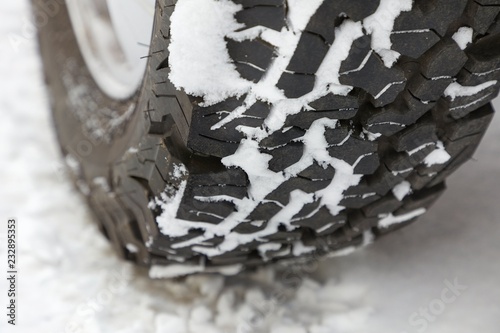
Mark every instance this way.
x=71 y=282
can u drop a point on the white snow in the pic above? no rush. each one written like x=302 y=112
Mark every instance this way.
x=342 y=252
x=101 y=182
x=171 y=271
x=438 y=156
x=197 y=66
x=132 y=248
x=264 y=248
x=401 y=190
x=299 y=249
x=72 y=164
x=455 y=89
x=179 y=171
x=371 y=136
x=300 y=12
x=71 y=281
x=380 y=25
x=389 y=219
x=463 y=37
x=169 y=206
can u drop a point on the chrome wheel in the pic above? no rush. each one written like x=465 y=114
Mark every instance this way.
x=114 y=37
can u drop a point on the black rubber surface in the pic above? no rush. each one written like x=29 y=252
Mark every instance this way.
x=409 y=118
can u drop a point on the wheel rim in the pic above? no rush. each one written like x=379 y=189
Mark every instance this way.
x=114 y=37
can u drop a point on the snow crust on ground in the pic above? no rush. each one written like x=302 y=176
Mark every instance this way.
x=70 y=280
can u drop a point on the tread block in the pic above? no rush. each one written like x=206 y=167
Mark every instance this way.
x=163 y=126
x=435 y=15
x=343 y=236
x=224 y=141
x=384 y=205
x=148 y=149
x=357 y=202
x=296 y=85
x=387 y=85
x=488 y=2
x=457 y=162
x=358 y=222
x=238 y=192
x=268 y=16
x=264 y=210
x=393 y=118
x=419 y=181
x=367 y=165
x=254 y=52
x=210 y=146
x=476 y=122
x=252 y=227
x=443 y=59
x=193 y=210
x=328 y=11
x=428 y=89
x=463 y=106
x=485 y=16
x=253 y=3
x=359 y=52
x=455 y=147
x=335 y=136
x=319 y=220
x=467 y=78
x=308 y=42
x=422 y=199
x=317 y=172
x=345 y=105
x=413 y=43
x=353 y=149
x=249 y=72
x=484 y=55
x=228 y=261
x=282 y=193
x=398 y=162
x=305 y=119
x=281 y=138
x=285 y=156
x=414 y=136
x=259 y=110
x=232 y=176
x=383 y=180
x=285 y=237
x=228 y=132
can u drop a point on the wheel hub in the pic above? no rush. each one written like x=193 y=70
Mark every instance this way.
x=114 y=37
